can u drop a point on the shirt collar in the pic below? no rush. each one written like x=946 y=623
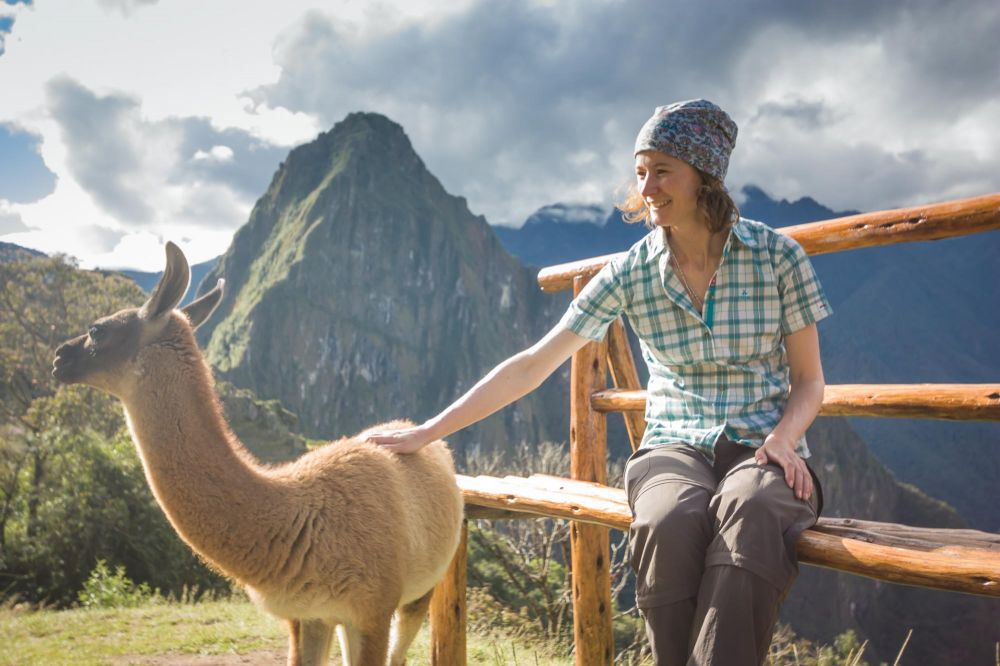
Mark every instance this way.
x=741 y=231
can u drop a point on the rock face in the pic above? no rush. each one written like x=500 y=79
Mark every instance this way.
x=360 y=291
x=266 y=429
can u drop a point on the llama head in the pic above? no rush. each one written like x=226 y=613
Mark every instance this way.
x=117 y=349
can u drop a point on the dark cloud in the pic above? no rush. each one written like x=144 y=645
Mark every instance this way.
x=249 y=169
x=513 y=104
x=806 y=114
x=104 y=153
x=123 y=160
x=23 y=175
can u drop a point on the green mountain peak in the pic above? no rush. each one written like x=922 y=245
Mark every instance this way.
x=358 y=276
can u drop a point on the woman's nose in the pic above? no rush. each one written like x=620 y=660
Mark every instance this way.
x=646 y=186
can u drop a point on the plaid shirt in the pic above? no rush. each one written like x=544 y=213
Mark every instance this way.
x=722 y=372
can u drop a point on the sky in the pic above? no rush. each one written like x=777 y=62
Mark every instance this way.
x=126 y=123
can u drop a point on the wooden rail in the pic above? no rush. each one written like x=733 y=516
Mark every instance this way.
x=931 y=222
x=954 y=402
x=956 y=560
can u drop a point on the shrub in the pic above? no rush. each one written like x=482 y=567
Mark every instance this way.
x=104 y=589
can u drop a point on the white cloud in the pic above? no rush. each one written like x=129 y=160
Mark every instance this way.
x=214 y=154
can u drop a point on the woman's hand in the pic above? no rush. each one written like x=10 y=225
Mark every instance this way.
x=781 y=450
x=407 y=440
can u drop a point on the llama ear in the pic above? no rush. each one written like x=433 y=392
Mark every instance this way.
x=200 y=310
x=172 y=285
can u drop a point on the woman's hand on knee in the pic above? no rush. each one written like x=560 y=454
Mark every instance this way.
x=781 y=451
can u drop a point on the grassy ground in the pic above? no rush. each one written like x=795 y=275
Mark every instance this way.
x=219 y=632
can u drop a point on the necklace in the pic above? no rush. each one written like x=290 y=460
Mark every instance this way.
x=697 y=302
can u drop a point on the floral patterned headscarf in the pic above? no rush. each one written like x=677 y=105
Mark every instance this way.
x=696 y=131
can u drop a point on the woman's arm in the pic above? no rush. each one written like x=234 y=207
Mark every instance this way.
x=517 y=376
x=804 y=399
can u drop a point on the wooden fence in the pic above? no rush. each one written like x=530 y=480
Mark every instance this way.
x=966 y=561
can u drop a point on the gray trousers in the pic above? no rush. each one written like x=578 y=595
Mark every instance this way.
x=713 y=548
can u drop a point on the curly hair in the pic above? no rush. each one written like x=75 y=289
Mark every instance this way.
x=714 y=203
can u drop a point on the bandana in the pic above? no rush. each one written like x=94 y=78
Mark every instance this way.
x=696 y=131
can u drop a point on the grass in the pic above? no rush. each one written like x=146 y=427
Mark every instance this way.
x=173 y=633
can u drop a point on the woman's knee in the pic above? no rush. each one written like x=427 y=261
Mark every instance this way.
x=757 y=520
x=673 y=512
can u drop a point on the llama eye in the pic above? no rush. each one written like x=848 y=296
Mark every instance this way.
x=95 y=333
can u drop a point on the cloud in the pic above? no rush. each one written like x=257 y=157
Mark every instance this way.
x=146 y=172
x=515 y=105
x=126 y=7
x=10 y=221
x=23 y=174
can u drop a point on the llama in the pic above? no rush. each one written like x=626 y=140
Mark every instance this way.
x=348 y=537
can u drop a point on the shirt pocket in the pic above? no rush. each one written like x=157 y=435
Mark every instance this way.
x=755 y=318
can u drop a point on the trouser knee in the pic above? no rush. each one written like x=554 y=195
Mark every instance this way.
x=667 y=542
x=758 y=521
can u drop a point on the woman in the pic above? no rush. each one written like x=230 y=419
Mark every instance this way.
x=725 y=310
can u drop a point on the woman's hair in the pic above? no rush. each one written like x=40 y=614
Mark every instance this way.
x=714 y=203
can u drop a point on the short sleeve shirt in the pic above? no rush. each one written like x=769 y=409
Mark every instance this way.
x=721 y=372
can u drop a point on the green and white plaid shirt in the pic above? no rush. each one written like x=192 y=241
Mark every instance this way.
x=726 y=372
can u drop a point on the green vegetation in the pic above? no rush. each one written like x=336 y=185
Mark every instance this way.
x=225 y=628
x=234 y=631
x=72 y=490
x=107 y=589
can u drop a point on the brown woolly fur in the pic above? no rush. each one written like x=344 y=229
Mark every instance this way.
x=717 y=208
x=348 y=537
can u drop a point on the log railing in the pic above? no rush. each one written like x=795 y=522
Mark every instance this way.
x=956 y=560
x=965 y=561
x=953 y=402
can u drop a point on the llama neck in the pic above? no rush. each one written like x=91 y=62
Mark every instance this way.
x=217 y=499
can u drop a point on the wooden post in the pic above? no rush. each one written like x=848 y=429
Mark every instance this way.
x=625 y=376
x=448 y=609
x=592 y=611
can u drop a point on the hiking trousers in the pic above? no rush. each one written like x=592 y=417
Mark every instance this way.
x=713 y=549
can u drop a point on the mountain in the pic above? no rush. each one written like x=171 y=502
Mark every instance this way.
x=12 y=252
x=361 y=291
x=564 y=232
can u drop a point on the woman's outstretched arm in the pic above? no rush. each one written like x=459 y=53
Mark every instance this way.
x=516 y=377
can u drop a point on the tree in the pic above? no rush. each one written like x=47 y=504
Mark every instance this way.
x=72 y=490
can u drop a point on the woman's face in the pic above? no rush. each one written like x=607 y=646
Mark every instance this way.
x=669 y=187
